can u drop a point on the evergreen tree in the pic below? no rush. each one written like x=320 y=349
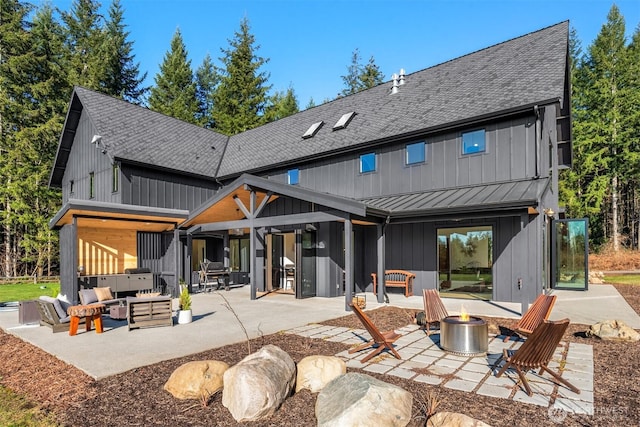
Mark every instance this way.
x=175 y=91
x=310 y=104
x=281 y=105
x=85 y=40
x=361 y=77
x=122 y=77
x=241 y=97
x=206 y=81
x=352 y=78
x=371 y=75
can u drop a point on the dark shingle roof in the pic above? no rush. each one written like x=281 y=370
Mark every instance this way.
x=521 y=72
x=137 y=134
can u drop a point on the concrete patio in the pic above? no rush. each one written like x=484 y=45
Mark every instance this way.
x=215 y=325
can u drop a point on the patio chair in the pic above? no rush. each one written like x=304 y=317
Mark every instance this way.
x=434 y=309
x=536 y=352
x=535 y=315
x=379 y=340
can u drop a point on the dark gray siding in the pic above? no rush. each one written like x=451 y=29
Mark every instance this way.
x=69 y=262
x=510 y=155
x=156 y=251
x=84 y=159
x=148 y=187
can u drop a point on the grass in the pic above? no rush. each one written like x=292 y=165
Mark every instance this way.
x=26 y=291
x=623 y=279
x=15 y=410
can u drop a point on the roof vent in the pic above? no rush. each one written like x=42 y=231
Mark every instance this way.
x=313 y=129
x=344 y=120
x=394 y=88
x=402 y=75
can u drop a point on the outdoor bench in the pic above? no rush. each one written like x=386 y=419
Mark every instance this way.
x=396 y=279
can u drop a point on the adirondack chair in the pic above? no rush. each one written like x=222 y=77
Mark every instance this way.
x=379 y=340
x=535 y=315
x=536 y=352
x=434 y=309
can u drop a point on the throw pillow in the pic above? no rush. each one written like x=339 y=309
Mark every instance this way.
x=87 y=296
x=103 y=294
x=147 y=294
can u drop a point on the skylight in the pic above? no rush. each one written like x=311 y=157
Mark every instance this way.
x=313 y=129
x=344 y=120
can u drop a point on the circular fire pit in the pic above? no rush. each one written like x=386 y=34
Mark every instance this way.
x=464 y=337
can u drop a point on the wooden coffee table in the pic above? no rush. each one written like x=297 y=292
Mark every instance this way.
x=91 y=312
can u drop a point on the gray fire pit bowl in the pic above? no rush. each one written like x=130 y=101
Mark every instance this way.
x=464 y=338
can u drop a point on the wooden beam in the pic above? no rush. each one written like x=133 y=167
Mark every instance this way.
x=242 y=207
x=270 y=221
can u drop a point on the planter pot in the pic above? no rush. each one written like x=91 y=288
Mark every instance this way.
x=184 y=316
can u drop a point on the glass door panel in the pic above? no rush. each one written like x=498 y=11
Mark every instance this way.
x=307 y=265
x=570 y=248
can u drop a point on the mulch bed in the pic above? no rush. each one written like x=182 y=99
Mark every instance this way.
x=136 y=398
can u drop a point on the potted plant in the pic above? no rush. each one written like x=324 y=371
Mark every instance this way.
x=184 y=313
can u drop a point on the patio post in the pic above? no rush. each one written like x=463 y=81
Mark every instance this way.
x=380 y=228
x=348 y=263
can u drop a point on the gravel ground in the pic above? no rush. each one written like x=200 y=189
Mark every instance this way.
x=136 y=398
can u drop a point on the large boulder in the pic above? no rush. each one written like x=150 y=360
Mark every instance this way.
x=256 y=387
x=193 y=380
x=613 y=330
x=315 y=372
x=359 y=400
x=454 y=419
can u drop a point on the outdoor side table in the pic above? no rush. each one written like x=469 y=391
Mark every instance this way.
x=118 y=312
x=91 y=312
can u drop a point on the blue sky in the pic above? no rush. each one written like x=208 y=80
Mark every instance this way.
x=309 y=43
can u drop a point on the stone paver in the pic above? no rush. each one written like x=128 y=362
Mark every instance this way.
x=424 y=361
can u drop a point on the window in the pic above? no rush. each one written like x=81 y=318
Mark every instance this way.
x=71 y=187
x=415 y=153
x=344 y=121
x=115 y=177
x=313 y=129
x=91 y=185
x=368 y=162
x=293 y=176
x=473 y=142
x=239 y=254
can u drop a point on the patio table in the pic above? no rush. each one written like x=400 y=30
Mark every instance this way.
x=91 y=312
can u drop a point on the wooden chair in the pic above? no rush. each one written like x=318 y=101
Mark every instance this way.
x=434 y=309
x=535 y=315
x=379 y=340
x=536 y=352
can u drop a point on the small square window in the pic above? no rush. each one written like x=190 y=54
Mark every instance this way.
x=115 y=177
x=415 y=153
x=473 y=142
x=293 y=176
x=91 y=185
x=71 y=187
x=368 y=162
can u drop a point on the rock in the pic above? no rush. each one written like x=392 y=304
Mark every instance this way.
x=315 y=372
x=596 y=277
x=355 y=399
x=454 y=419
x=196 y=379
x=256 y=387
x=613 y=330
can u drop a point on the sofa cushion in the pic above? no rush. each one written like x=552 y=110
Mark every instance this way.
x=56 y=305
x=87 y=296
x=103 y=294
x=64 y=302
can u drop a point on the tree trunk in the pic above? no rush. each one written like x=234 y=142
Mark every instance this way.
x=615 y=235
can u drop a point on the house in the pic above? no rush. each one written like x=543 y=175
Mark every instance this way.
x=450 y=173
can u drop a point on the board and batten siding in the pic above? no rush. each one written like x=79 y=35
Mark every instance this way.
x=148 y=187
x=85 y=158
x=510 y=155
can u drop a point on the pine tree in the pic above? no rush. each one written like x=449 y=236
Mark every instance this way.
x=371 y=75
x=175 y=91
x=281 y=104
x=206 y=82
x=352 y=78
x=122 y=77
x=85 y=39
x=361 y=77
x=241 y=97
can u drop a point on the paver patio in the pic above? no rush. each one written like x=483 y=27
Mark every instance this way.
x=424 y=361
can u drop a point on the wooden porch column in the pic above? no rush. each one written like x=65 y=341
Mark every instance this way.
x=176 y=277
x=348 y=263
x=226 y=249
x=253 y=245
x=380 y=228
